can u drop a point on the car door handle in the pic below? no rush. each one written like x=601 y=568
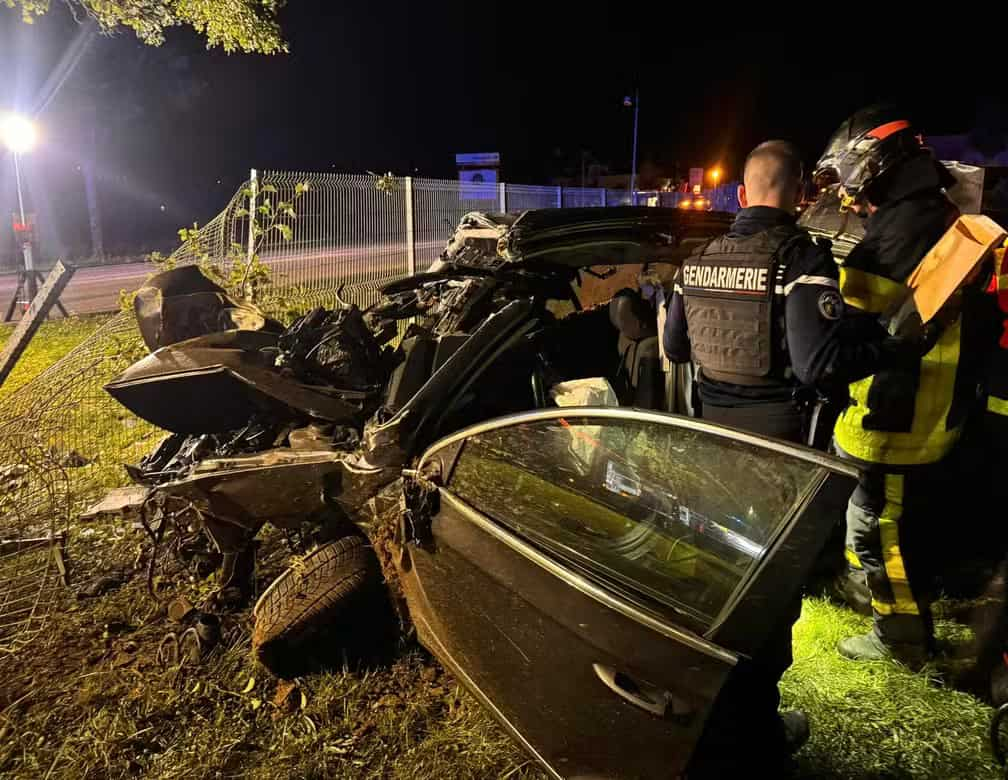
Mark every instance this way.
x=644 y=695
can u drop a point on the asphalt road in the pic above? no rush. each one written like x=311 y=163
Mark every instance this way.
x=95 y=290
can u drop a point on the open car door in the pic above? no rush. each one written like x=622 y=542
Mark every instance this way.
x=593 y=575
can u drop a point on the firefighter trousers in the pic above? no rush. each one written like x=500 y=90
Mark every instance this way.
x=891 y=538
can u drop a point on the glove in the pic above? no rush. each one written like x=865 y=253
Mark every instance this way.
x=905 y=324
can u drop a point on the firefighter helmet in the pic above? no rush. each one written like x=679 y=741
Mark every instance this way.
x=867 y=145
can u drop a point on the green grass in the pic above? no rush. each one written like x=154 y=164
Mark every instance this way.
x=54 y=339
x=879 y=720
x=83 y=702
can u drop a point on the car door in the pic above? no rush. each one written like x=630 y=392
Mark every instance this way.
x=593 y=575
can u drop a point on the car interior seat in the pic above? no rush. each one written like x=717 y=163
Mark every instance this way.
x=639 y=377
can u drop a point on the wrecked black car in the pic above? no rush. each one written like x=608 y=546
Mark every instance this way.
x=590 y=565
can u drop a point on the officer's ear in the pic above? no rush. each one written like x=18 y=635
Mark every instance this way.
x=743 y=201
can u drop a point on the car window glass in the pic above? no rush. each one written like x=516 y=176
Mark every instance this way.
x=673 y=515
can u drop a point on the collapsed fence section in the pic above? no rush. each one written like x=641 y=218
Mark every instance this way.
x=63 y=441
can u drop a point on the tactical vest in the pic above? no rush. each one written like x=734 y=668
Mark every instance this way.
x=733 y=291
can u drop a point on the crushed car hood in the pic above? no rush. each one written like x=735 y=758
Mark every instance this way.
x=217 y=382
x=578 y=238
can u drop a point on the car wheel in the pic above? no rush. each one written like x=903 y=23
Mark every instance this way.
x=319 y=595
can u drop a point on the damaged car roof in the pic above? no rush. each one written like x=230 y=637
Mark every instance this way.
x=579 y=237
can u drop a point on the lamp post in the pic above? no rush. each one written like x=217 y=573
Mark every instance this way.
x=635 y=101
x=18 y=134
x=715 y=175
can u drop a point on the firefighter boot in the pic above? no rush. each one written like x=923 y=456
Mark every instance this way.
x=796 y=729
x=869 y=647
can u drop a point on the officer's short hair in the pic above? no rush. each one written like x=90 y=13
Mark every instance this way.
x=788 y=168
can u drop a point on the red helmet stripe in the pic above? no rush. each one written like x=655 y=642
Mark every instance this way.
x=886 y=130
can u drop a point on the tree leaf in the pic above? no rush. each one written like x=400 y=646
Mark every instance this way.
x=290 y=213
x=256 y=703
x=249 y=685
x=285 y=230
x=301 y=187
x=268 y=188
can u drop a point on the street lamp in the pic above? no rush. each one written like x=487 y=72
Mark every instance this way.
x=635 y=102
x=19 y=136
x=18 y=133
x=715 y=175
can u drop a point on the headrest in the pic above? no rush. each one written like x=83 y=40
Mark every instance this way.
x=631 y=316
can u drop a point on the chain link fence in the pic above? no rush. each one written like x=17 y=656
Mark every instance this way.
x=63 y=440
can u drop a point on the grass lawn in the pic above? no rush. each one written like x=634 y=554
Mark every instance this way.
x=54 y=339
x=88 y=699
x=879 y=720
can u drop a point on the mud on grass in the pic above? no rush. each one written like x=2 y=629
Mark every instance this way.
x=90 y=700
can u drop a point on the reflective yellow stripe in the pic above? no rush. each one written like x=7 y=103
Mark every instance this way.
x=870 y=292
x=997 y=405
x=852 y=558
x=882 y=607
x=929 y=438
x=892 y=559
x=1000 y=275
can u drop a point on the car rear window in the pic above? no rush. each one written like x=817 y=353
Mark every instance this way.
x=673 y=516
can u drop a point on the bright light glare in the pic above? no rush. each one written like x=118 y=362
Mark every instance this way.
x=17 y=133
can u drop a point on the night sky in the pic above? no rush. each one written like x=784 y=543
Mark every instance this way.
x=403 y=87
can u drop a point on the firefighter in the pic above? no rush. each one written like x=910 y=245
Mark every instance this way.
x=759 y=310
x=904 y=419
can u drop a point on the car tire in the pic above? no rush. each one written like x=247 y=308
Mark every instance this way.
x=319 y=596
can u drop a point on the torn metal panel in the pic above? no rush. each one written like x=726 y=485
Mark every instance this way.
x=280 y=486
x=119 y=502
x=183 y=303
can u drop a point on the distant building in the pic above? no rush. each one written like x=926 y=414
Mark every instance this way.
x=478 y=168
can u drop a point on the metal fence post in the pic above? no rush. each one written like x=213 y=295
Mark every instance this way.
x=253 y=194
x=604 y=197
x=410 y=237
x=560 y=197
x=502 y=197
